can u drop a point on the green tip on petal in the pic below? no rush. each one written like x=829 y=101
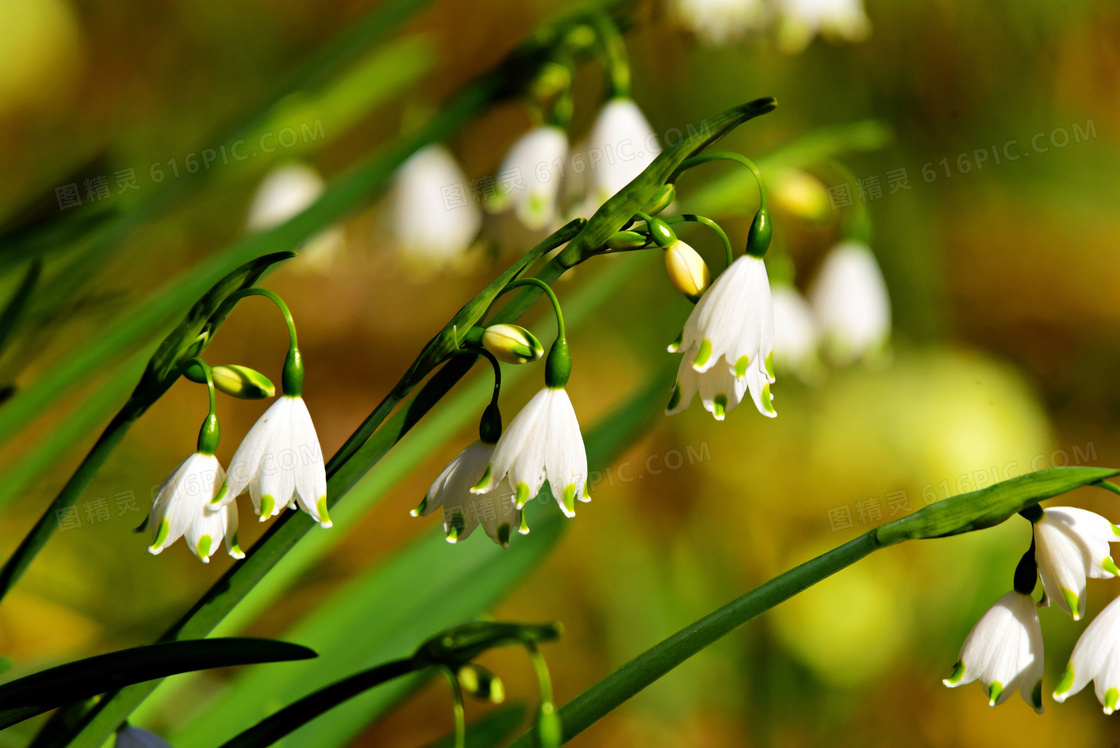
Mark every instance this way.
x=703 y=354
x=268 y=504
x=483 y=482
x=455 y=527
x=161 y=536
x=221 y=493
x=1073 y=602
x=524 y=528
x=767 y=400
x=674 y=399
x=503 y=534
x=570 y=500
x=419 y=510
x=770 y=363
x=522 y=495
x=958 y=673
x=675 y=346
x=719 y=406
x=1036 y=696
x=1116 y=530
x=324 y=518
x=235 y=548
x=1110 y=566
x=584 y=495
x=203 y=548
x=994 y=692
x=1111 y=696
x=1064 y=685
x=741 y=366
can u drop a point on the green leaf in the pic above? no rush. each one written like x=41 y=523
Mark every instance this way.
x=34 y=694
x=14 y=311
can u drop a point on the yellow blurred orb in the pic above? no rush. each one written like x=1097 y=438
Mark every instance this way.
x=42 y=52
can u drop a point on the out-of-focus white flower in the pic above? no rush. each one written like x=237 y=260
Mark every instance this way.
x=619 y=147
x=851 y=304
x=182 y=508
x=844 y=20
x=134 y=737
x=728 y=343
x=721 y=21
x=1096 y=657
x=542 y=442
x=287 y=191
x=1004 y=652
x=531 y=174
x=1070 y=545
x=795 y=333
x=462 y=510
x=430 y=215
x=281 y=463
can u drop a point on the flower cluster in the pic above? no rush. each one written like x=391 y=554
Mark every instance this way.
x=1004 y=650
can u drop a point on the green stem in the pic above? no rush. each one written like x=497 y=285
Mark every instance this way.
x=597 y=701
x=272 y=296
x=693 y=218
x=291 y=380
x=546 y=289
x=209 y=434
x=457 y=706
x=1108 y=486
x=490 y=426
x=738 y=158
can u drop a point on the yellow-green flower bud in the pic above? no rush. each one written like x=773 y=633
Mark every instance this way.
x=235 y=380
x=686 y=269
x=512 y=344
x=661 y=200
x=482 y=684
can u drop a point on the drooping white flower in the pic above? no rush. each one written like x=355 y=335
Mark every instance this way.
x=1070 y=545
x=795 y=332
x=287 y=191
x=718 y=22
x=182 y=508
x=430 y=214
x=542 y=442
x=1004 y=652
x=619 y=147
x=1096 y=657
x=531 y=175
x=851 y=303
x=728 y=343
x=836 y=19
x=462 y=510
x=134 y=737
x=281 y=464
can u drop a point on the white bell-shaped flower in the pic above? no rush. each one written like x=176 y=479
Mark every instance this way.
x=728 y=343
x=1004 y=652
x=843 y=20
x=795 y=332
x=542 y=442
x=718 y=22
x=619 y=147
x=531 y=174
x=851 y=303
x=281 y=464
x=463 y=510
x=431 y=214
x=134 y=737
x=1070 y=545
x=183 y=508
x=287 y=191
x=1096 y=657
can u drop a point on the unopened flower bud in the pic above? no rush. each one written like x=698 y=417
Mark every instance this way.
x=235 y=380
x=758 y=240
x=627 y=240
x=512 y=344
x=686 y=270
x=482 y=684
x=661 y=200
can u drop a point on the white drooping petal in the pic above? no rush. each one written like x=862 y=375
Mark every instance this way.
x=531 y=175
x=182 y=507
x=543 y=442
x=718 y=22
x=134 y=737
x=619 y=147
x=1070 y=545
x=463 y=510
x=795 y=332
x=287 y=191
x=836 y=19
x=280 y=462
x=1096 y=657
x=730 y=330
x=1004 y=652
x=431 y=214
x=851 y=303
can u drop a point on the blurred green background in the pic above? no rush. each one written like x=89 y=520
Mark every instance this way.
x=1003 y=281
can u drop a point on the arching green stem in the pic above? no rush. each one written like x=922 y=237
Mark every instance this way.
x=460 y=714
x=292 y=376
x=558 y=366
x=704 y=158
x=490 y=427
x=550 y=732
x=693 y=218
x=210 y=432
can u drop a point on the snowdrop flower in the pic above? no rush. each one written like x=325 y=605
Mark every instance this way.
x=803 y=19
x=287 y=191
x=536 y=163
x=1096 y=657
x=619 y=147
x=795 y=332
x=182 y=508
x=1070 y=545
x=281 y=464
x=851 y=304
x=1004 y=652
x=462 y=510
x=720 y=21
x=429 y=212
x=728 y=343
x=134 y=737
x=542 y=442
